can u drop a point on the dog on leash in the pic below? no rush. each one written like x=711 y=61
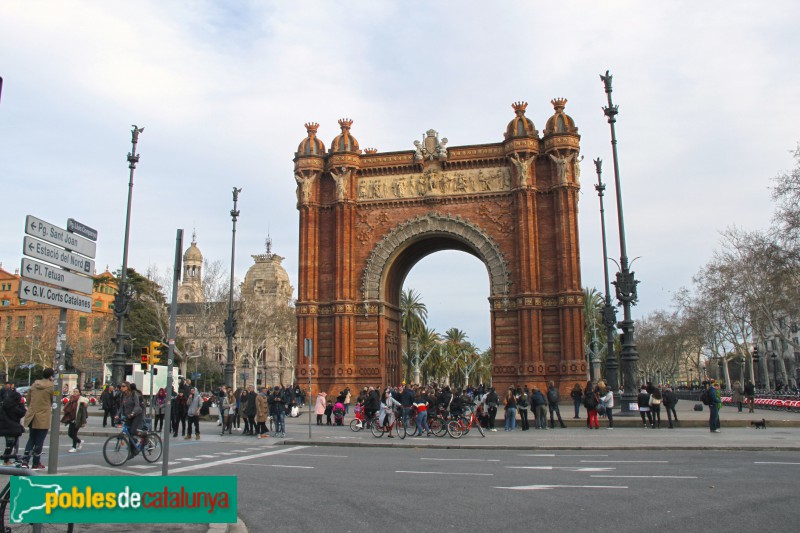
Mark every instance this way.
x=759 y=424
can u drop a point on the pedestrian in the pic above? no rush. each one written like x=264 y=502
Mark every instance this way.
x=347 y=399
x=750 y=394
x=131 y=410
x=643 y=401
x=590 y=401
x=511 y=410
x=539 y=404
x=338 y=411
x=319 y=406
x=12 y=409
x=577 y=399
x=230 y=407
x=523 y=401
x=328 y=412
x=75 y=416
x=491 y=400
x=388 y=406
x=37 y=419
x=160 y=409
x=421 y=404
x=108 y=405
x=738 y=395
x=193 y=404
x=178 y=414
x=669 y=401
x=250 y=410
x=221 y=396
x=606 y=397
x=552 y=405
x=262 y=413
x=714 y=403
x=244 y=398
x=279 y=415
x=655 y=407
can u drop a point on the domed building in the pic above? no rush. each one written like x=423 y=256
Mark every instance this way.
x=265 y=337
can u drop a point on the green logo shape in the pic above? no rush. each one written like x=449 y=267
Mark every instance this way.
x=113 y=500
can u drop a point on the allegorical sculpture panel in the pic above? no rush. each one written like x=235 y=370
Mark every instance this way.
x=435 y=182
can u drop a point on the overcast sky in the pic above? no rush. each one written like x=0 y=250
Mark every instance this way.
x=707 y=91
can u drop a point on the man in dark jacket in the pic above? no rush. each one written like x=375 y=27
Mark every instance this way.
x=670 y=401
x=108 y=404
x=538 y=403
x=552 y=403
x=750 y=395
x=250 y=410
x=279 y=402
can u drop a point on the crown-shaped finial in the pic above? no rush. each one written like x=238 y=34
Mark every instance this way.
x=370 y=150
x=558 y=104
x=345 y=123
x=520 y=107
x=311 y=128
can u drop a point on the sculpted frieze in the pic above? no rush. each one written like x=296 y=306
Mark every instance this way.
x=435 y=182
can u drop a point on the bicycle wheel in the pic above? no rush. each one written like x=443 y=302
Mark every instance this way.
x=464 y=420
x=438 y=426
x=376 y=428
x=5 y=519
x=411 y=426
x=400 y=429
x=355 y=425
x=117 y=450
x=455 y=429
x=153 y=448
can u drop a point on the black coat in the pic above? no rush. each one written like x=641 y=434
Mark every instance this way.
x=11 y=412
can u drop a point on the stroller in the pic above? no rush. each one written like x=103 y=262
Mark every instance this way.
x=338 y=413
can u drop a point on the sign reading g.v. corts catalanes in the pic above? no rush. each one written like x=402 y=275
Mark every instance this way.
x=109 y=500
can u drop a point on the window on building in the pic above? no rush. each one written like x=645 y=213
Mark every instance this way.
x=6 y=302
x=83 y=323
x=20 y=323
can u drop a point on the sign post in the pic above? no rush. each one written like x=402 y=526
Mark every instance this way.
x=74 y=254
x=308 y=350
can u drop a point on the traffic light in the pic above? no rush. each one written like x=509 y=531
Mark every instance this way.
x=158 y=351
x=145 y=358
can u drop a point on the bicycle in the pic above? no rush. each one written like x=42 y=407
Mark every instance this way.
x=461 y=425
x=5 y=508
x=438 y=421
x=118 y=449
x=397 y=424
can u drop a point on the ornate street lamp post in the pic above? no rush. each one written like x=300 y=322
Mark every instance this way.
x=609 y=312
x=230 y=322
x=756 y=367
x=123 y=296
x=774 y=357
x=626 y=281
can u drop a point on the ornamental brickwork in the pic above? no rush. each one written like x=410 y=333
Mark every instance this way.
x=366 y=218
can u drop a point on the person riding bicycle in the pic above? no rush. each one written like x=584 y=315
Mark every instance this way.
x=131 y=408
x=388 y=406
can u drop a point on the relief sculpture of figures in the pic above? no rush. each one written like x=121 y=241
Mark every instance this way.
x=523 y=167
x=562 y=164
x=304 y=186
x=341 y=179
x=578 y=170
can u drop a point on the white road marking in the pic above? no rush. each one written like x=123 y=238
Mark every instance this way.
x=772 y=463
x=559 y=455
x=551 y=487
x=444 y=459
x=569 y=468
x=319 y=455
x=441 y=473
x=225 y=453
x=585 y=461
x=235 y=460
x=208 y=456
x=657 y=477
x=143 y=467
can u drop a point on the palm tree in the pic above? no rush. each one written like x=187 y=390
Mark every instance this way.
x=455 y=342
x=593 y=303
x=413 y=316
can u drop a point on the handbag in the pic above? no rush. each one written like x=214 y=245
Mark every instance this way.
x=601 y=408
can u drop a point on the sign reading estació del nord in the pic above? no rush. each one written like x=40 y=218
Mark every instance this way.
x=41 y=272
x=55 y=235
x=57 y=297
x=57 y=256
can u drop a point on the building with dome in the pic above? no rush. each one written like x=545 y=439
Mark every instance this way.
x=265 y=334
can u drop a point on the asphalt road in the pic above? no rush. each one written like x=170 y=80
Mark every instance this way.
x=340 y=489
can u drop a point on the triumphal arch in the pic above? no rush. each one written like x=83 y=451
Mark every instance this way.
x=366 y=218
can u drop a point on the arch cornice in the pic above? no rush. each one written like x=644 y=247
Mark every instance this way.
x=436 y=224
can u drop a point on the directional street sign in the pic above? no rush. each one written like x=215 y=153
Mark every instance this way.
x=42 y=272
x=55 y=235
x=57 y=256
x=57 y=297
x=81 y=229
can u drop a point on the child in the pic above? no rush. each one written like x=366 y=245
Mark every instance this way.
x=328 y=412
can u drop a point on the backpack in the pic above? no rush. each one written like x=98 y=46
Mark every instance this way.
x=552 y=396
x=705 y=397
x=590 y=401
x=522 y=402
